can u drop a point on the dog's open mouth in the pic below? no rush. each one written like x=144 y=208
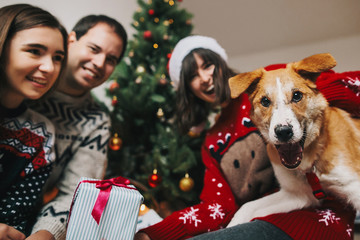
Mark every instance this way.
x=290 y=154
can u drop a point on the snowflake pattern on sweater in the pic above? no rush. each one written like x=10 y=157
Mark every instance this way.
x=190 y=216
x=216 y=211
x=328 y=217
x=353 y=84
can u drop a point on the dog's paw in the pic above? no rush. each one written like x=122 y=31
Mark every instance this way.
x=243 y=215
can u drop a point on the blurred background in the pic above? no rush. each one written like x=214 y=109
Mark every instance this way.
x=254 y=33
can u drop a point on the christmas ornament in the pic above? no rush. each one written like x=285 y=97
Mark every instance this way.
x=160 y=113
x=166 y=37
x=156 y=20
x=114 y=101
x=138 y=80
x=151 y=12
x=113 y=86
x=163 y=81
x=115 y=142
x=193 y=134
x=186 y=183
x=147 y=35
x=154 y=179
x=143 y=209
x=140 y=69
x=195 y=131
x=155 y=45
x=131 y=54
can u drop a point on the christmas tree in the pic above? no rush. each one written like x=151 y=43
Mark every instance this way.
x=146 y=146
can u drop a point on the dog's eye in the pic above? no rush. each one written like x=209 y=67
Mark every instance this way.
x=297 y=96
x=265 y=102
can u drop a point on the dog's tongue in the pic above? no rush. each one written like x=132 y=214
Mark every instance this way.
x=290 y=154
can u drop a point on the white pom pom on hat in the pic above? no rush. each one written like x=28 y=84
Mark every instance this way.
x=184 y=47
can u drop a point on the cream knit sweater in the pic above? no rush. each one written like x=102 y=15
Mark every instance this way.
x=82 y=134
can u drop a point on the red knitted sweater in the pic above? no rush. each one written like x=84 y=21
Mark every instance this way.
x=342 y=90
x=217 y=207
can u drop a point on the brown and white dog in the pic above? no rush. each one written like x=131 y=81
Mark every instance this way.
x=304 y=136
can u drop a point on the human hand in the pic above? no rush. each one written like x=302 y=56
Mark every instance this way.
x=141 y=236
x=41 y=235
x=9 y=233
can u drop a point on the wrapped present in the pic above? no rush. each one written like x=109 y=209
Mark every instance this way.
x=104 y=210
x=147 y=217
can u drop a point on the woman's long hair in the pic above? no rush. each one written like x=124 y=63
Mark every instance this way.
x=190 y=110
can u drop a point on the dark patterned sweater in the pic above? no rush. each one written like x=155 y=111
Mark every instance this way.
x=82 y=134
x=26 y=159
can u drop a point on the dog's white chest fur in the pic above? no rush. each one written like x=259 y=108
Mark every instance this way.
x=295 y=193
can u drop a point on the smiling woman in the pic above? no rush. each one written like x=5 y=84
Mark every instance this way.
x=33 y=52
x=202 y=83
x=200 y=79
x=34 y=59
x=32 y=49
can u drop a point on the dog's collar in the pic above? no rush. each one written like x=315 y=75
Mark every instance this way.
x=314 y=182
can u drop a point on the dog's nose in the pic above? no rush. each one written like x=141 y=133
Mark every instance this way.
x=284 y=133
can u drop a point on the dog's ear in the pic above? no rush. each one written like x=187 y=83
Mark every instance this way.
x=312 y=66
x=244 y=82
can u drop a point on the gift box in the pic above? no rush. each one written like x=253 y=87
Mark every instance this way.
x=104 y=210
x=147 y=217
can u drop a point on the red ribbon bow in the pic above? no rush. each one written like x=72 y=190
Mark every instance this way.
x=104 y=194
